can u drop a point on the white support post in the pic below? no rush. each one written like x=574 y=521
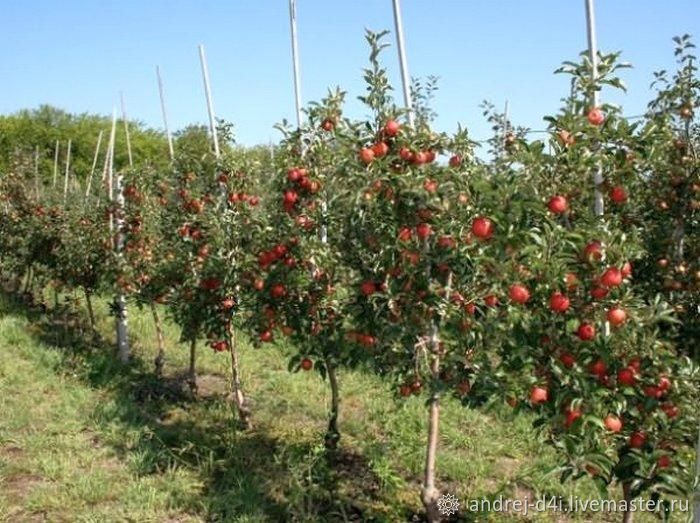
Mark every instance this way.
x=94 y=164
x=171 y=149
x=505 y=129
x=405 y=78
x=117 y=196
x=598 y=204
x=55 y=164
x=295 y=60
x=104 y=182
x=36 y=171
x=109 y=164
x=210 y=105
x=696 y=517
x=126 y=131
x=65 y=177
x=595 y=98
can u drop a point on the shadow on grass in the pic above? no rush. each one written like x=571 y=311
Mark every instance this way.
x=244 y=474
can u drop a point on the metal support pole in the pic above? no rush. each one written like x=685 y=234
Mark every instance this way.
x=295 y=60
x=595 y=98
x=405 y=78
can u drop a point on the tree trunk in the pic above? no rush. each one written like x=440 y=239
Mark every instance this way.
x=236 y=390
x=30 y=282
x=430 y=493
x=628 y=516
x=160 y=357
x=91 y=313
x=696 y=517
x=332 y=434
x=27 y=280
x=122 y=331
x=192 y=373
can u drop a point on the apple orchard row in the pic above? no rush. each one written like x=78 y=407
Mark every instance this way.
x=389 y=247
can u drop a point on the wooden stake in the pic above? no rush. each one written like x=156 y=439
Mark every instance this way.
x=171 y=149
x=210 y=105
x=126 y=131
x=55 y=164
x=36 y=171
x=65 y=178
x=94 y=164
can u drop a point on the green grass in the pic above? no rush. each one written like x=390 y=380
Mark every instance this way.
x=85 y=439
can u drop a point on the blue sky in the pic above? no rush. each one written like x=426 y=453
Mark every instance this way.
x=79 y=54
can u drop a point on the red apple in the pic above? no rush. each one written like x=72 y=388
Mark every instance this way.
x=664 y=384
x=626 y=377
x=626 y=270
x=366 y=155
x=593 y=251
x=663 y=462
x=616 y=316
x=558 y=204
x=612 y=277
x=368 y=288
x=278 y=290
x=380 y=149
x=618 y=194
x=599 y=293
x=567 y=359
x=613 y=423
x=559 y=302
x=430 y=185
x=670 y=410
x=637 y=440
x=423 y=230
x=599 y=368
x=571 y=416
x=538 y=395
x=519 y=293
x=596 y=116
x=653 y=392
x=586 y=332
x=482 y=228
x=392 y=128
x=405 y=234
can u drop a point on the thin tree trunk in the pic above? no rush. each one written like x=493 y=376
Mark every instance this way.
x=696 y=517
x=192 y=373
x=30 y=283
x=628 y=516
x=122 y=335
x=332 y=434
x=430 y=493
x=27 y=279
x=160 y=357
x=236 y=390
x=91 y=312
